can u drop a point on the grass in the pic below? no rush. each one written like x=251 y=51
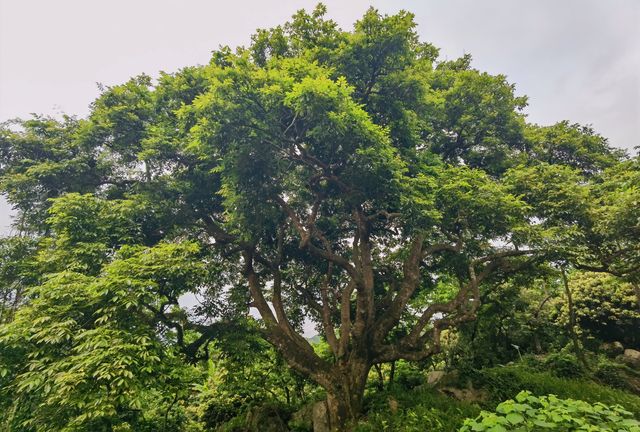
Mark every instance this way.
x=418 y=410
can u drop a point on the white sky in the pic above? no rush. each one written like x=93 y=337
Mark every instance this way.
x=575 y=59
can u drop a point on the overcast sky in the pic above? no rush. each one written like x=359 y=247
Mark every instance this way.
x=575 y=59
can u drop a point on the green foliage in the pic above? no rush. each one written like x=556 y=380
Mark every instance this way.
x=549 y=413
x=606 y=308
x=482 y=114
x=352 y=178
x=45 y=159
x=617 y=375
x=424 y=408
x=564 y=365
x=506 y=382
x=532 y=314
x=573 y=145
x=516 y=318
x=16 y=273
x=86 y=231
x=247 y=373
x=83 y=352
x=417 y=410
x=470 y=197
x=555 y=193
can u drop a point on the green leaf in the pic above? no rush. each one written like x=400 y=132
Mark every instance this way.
x=515 y=418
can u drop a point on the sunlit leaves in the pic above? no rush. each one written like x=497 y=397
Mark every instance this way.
x=89 y=343
x=550 y=413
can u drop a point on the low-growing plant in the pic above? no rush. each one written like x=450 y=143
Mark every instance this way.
x=236 y=424
x=528 y=413
x=417 y=419
x=417 y=410
x=564 y=365
x=618 y=376
x=532 y=362
x=506 y=382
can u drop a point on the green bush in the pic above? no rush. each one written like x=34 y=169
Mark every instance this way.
x=236 y=424
x=617 y=376
x=564 y=365
x=409 y=375
x=611 y=374
x=532 y=362
x=218 y=412
x=605 y=308
x=529 y=413
x=506 y=382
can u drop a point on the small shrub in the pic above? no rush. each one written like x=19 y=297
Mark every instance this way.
x=532 y=362
x=236 y=424
x=529 y=413
x=564 y=365
x=219 y=412
x=611 y=375
x=618 y=376
x=300 y=426
x=408 y=375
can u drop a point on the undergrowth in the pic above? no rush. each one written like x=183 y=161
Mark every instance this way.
x=426 y=409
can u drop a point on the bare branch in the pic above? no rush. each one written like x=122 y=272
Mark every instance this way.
x=305 y=239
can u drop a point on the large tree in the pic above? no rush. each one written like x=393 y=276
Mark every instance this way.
x=349 y=178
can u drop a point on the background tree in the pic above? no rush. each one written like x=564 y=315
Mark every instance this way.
x=605 y=308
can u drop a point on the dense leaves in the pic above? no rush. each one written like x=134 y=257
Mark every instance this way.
x=549 y=413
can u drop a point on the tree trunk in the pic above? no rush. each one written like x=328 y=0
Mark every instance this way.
x=536 y=342
x=380 y=376
x=344 y=398
x=636 y=289
x=572 y=322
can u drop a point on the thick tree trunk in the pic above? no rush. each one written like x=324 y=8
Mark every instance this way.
x=344 y=398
